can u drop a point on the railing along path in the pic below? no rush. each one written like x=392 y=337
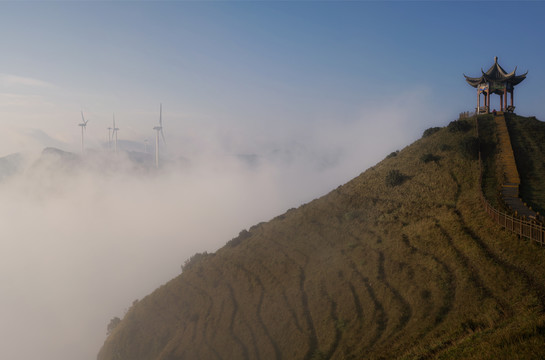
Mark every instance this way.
x=530 y=229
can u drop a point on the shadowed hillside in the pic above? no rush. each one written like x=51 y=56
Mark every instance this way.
x=400 y=262
x=528 y=138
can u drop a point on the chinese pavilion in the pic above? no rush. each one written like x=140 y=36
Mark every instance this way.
x=495 y=81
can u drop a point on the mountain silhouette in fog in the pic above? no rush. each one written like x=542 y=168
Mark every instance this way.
x=10 y=165
x=54 y=160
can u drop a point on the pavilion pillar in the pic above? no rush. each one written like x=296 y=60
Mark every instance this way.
x=505 y=100
x=478 y=102
x=488 y=101
x=501 y=102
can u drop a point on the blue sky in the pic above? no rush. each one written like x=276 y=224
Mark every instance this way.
x=247 y=66
x=313 y=93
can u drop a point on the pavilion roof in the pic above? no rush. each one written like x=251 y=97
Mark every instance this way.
x=496 y=74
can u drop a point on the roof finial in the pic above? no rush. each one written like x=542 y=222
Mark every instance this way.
x=495 y=59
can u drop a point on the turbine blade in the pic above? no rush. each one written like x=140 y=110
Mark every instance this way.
x=82 y=118
x=160 y=114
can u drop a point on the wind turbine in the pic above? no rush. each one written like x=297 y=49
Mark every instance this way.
x=159 y=129
x=114 y=132
x=109 y=138
x=83 y=129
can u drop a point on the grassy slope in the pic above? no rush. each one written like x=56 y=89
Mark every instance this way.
x=492 y=175
x=368 y=271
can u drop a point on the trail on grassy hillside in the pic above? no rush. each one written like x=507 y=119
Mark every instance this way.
x=511 y=179
x=370 y=270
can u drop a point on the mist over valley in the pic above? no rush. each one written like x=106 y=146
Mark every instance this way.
x=84 y=235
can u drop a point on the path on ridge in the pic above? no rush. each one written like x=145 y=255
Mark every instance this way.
x=511 y=178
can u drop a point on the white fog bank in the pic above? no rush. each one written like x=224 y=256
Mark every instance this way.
x=80 y=243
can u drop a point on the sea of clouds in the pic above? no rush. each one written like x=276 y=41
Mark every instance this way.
x=80 y=243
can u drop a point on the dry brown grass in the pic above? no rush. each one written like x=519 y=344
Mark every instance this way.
x=372 y=271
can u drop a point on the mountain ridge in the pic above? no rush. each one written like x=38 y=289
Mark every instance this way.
x=404 y=266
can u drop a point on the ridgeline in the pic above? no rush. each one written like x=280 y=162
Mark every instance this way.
x=401 y=262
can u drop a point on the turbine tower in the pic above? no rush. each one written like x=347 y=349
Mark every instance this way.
x=159 y=129
x=83 y=130
x=114 y=133
x=109 y=138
